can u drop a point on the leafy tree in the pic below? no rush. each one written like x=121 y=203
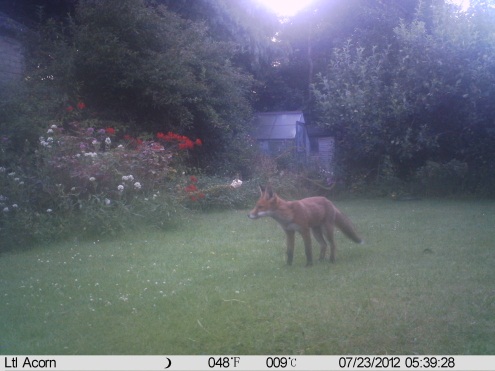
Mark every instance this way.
x=163 y=71
x=424 y=97
x=305 y=43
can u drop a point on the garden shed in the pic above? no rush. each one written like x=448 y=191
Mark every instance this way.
x=279 y=132
x=11 y=49
x=288 y=132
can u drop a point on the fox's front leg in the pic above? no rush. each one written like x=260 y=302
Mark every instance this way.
x=290 y=246
x=307 y=246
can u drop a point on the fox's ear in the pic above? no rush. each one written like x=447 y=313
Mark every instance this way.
x=269 y=192
x=262 y=189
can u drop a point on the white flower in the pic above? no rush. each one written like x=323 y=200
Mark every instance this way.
x=2 y=169
x=107 y=202
x=137 y=185
x=15 y=206
x=5 y=209
x=120 y=146
x=11 y=174
x=108 y=141
x=49 y=210
x=53 y=127
x=16 y=179
x=120 y=187
x=128 y=177
x=49 y=139
x=49 y=131
x=236 y=183
x=92 y=179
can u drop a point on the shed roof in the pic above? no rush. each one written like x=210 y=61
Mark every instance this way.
x=11 y=27
x=277 y=125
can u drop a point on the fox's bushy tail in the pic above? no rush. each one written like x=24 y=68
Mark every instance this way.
x=345 y=225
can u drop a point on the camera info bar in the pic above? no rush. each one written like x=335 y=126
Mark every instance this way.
x=241 y=363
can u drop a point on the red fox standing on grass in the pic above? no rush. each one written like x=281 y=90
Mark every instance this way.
x=315 y=213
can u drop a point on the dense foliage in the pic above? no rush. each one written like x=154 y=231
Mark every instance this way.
x=149 y=69
x=423 y=99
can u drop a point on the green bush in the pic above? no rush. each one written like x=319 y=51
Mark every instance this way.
x=441 y=179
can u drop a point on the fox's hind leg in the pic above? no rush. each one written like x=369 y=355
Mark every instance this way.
x=290 y=246
x=329 y=234
x=318 y=235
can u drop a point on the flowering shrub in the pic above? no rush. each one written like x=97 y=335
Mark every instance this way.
x=86 y=160
x=94 y=180
x=91 y=179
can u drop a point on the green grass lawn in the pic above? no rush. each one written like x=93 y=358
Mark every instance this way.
x=423 y=283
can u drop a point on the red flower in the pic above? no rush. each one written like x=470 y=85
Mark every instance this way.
x=193 y=179
x=186 y=144
x=69 y=109
x=201 y=195
x=191 y=188
x=81 y=105
x=110 y=131
x=128 y=137
x=172 y=136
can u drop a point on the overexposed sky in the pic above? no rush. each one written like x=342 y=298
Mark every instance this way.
x=285 y=8
x=289 y=8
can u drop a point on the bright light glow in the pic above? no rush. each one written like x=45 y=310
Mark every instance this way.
x=464 y=4
x=285 y=8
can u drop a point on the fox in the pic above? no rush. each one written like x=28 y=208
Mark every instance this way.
x=316 y=213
